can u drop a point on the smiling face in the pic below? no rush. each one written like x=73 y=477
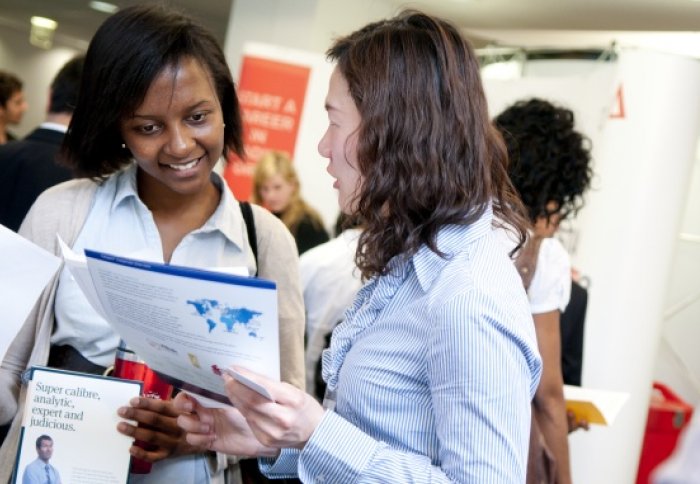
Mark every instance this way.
x=339 y=143
x=176 y=135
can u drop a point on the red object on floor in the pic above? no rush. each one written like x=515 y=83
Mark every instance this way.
x=668 y=415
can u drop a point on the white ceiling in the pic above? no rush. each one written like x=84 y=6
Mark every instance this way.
x=673 y=15
x=666 y=25
x=552 y=23
x=77 y=22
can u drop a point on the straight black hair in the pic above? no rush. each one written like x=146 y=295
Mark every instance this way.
x=126 y=54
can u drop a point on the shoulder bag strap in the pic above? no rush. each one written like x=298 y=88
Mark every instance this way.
x=249 y=220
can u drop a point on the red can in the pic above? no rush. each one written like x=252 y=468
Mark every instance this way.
x=128 y=366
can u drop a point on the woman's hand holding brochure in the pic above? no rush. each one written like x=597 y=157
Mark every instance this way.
x=258 y=425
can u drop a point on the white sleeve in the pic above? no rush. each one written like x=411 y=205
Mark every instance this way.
x=550 y=288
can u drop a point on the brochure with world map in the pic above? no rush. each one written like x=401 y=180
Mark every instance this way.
x=189 y=325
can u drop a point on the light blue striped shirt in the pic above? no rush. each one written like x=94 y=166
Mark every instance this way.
x=433 y=371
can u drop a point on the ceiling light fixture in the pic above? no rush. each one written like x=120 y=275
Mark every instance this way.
x=44 y=23
x=104 y=7
x=41 y=33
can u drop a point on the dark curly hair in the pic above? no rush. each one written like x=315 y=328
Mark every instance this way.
x=549 y=159
x=125 y=55
x=427 y=151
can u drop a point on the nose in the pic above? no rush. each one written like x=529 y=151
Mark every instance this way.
x=324 y=146
x=180 y=142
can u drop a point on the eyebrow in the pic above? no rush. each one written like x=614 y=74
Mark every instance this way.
x=190 y=108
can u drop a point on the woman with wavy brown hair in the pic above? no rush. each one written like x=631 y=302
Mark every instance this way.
x=430 y=376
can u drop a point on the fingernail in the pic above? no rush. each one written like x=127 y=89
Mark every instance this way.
x=135 y=401
x=122 y=411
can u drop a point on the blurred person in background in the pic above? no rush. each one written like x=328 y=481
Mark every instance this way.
x=550 y=169
x=276 y=187
x=29 y=166
x=12 y=104
x=330 y=280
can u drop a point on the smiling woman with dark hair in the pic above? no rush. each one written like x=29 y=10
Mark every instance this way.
x=156 y=111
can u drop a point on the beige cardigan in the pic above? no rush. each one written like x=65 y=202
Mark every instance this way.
x=63 y=210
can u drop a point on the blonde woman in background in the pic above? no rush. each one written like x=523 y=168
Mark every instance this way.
x=276 y=187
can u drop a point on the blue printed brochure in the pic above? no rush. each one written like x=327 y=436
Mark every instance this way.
x=187 y=324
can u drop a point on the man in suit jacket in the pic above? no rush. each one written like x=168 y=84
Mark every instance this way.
x=28 y=167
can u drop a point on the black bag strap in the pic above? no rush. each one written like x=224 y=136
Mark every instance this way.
x=249 y=220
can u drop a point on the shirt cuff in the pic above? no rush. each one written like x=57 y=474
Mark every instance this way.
x=336 y=452
x=284 y=466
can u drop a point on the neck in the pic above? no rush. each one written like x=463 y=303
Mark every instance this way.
x=58 y=118
x=3 y=134
x=161 y=200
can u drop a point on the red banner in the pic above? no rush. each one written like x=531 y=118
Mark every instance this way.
x=271 y=95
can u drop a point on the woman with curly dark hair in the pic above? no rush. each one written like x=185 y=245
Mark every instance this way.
x=550 y=168
x=430 y=375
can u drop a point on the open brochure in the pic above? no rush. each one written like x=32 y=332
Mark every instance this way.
x=596 y=406
x=189 y=325
x=69 y=428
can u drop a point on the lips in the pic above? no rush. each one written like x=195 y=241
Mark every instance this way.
x=184 y=166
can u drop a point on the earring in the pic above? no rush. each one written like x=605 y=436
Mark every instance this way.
x=123 y=146
x=223 y=125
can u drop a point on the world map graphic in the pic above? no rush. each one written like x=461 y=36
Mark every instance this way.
x=230 y=319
